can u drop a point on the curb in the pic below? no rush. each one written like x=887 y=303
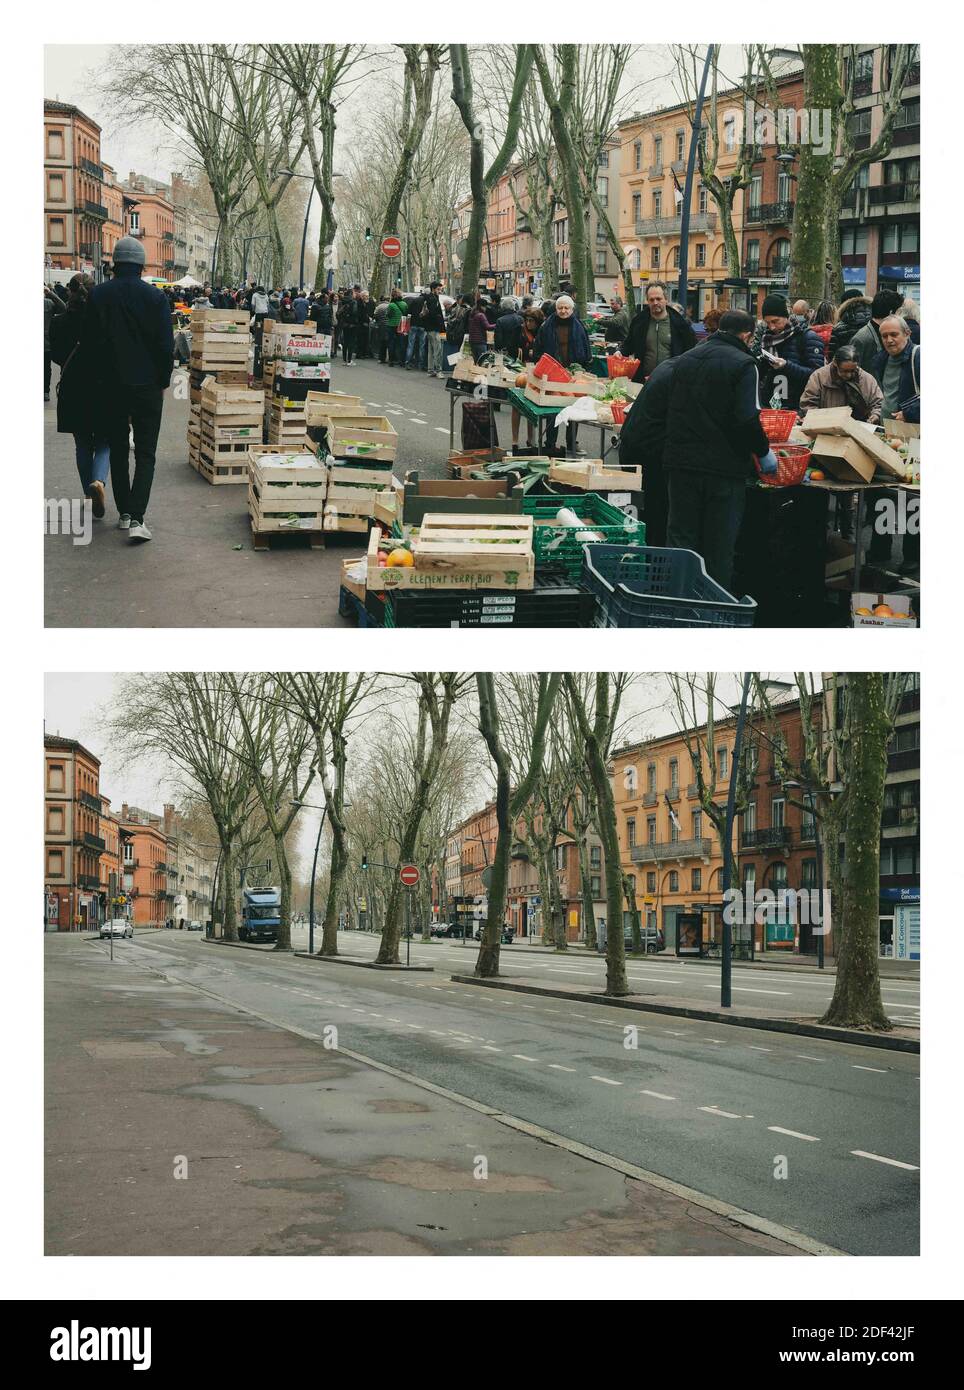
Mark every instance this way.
x=771 y=1025
x=806 y=1245
x=240 y=945
x=364 y=964
x=667 y=958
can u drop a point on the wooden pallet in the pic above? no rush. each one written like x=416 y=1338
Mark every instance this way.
x=261 y=540
x=468 y=552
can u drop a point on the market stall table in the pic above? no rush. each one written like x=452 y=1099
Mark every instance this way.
x=877 y=486
x=495 y=395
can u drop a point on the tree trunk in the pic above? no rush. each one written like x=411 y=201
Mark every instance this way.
x=856 y=999
x=339 y=865
x=821 y=92
x=560 y=106
x=834 y=208
x=284 y=881
x=560 y=938
x=229 y=916
x=629 y=891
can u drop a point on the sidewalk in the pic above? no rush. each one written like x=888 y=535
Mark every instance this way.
x=889 y=969
x=292 y=1149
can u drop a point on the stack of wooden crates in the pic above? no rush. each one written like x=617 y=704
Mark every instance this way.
x=360 y=450
x=297 y=359
x=286 y=492
x=220 y=342
x=231 y=419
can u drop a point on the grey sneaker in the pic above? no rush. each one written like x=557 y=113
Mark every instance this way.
x=124 y=522
x=139 y=532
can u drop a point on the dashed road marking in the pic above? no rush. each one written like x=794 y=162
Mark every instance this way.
x=753 y=1048
x=557 y=1066
x=657 y=1095
x=440 y=429
x=724 y=1114
x=521 y=1057
x=489 y=1048
x=606 y=1081
x=881 y=1071
x=794 y=1134
x=879 y=1158
x=805 y=1057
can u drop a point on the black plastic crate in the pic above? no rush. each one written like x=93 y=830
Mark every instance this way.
x=654 y=586
x=554 y=602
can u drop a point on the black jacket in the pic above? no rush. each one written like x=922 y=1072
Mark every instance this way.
x=854 y=313
x=77 y=385
x=508 y=330
x=643 y=436
x=320 y=314
x=127 y=332
x=803 y=354
x=433 y=319
x=681 y=335
x=713 y=420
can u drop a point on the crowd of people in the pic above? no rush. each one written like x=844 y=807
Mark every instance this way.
x=695 y=429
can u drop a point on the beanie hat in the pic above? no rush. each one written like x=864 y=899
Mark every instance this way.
x=852 y=293
x=775 y=306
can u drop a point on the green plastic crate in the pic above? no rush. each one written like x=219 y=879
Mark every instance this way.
x=557 y=548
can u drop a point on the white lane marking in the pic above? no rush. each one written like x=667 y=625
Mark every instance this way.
x=488 y=1048
x=794 y=1134
x=881 y=1071
x=440 y=429
x=557 y=1066
x=437 y=1032
x=745 y=989
x=521 y=1057
x=527 y=1006
x=672 y=1034
x=805 y=1057
x=712 y=1040
x=879 y=1158
x=394 y=1020
x=376 y=1015
x=724 y=1114
x=753 y=1048
x=375 y=403
x=606 y=1081
x=657 y=1095
x=398 y=403
x=414 y=1025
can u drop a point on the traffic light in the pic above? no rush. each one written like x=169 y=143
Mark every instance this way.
x=368 y=233
x=364 y=861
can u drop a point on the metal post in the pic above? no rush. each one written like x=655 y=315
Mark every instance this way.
x=726 y=973
x=311 y=895
x=304 y=238
x=823 y=915
x=408 y=926
x=684 y=225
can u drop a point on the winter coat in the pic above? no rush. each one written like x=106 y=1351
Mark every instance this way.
x=76 y=389
x=127 y=332
x=52 y=309
x=909 y=379
x=643 y=436
x=616 y=329
x=547 y=340
x=508 y=330
x=713 y=416
x=854 y=313
x=478 y=327
x=396 y=311
x=827 y=389
x=682 y=337
x=802 y=353
x=432 y=319
x=300 y=307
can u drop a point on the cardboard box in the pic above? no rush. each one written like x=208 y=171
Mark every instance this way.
x=838 y=422
x=843 y=458
x=900 y=603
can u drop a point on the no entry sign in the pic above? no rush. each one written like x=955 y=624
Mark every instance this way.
x=391 y=247
x=409 y=875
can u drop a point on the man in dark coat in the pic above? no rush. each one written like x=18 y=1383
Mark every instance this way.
x=76 y=393
x=853 y=313
x=713 y=431
x=897 y=370
x=659 y=330
x=508 y=329
x=790 y=353
x=642 y=442
x=128 y=336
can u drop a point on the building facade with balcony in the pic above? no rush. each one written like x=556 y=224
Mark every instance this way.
x=144 y=866
x=74 y=208
x=150 y=217
x=900 y=836
x=73 y=843
x=767 y=207
x=880 y=219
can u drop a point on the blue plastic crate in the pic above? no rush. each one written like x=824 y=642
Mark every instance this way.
x=652 y=586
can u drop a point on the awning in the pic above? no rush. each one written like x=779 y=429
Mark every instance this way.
x=899 y=272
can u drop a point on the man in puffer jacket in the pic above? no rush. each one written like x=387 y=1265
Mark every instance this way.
x=789 y=354
x=854 y=312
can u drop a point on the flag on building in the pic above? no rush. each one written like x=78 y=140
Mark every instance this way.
x=672 y=814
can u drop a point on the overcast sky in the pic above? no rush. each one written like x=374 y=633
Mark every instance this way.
x=148 y=149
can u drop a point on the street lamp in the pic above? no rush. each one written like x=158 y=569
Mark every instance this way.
x=726 y=972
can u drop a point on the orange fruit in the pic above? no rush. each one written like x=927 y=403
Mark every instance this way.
x=884 y=610
x=863 y=612
x=522 y=379
x=816 y=475
x=401 y=556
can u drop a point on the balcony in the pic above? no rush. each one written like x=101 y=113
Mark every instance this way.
x=672 y=793
x=670 y=849
x=670 y=226
x=93 y=842
x=775 y=837
x=167 y=236
x=89 y=167
x=770 y=214
x=94 y=210
x=93 y=803
x=650 y=798
x=656 y=171
x=89 y=881
x=86 y=249
x=693 y=791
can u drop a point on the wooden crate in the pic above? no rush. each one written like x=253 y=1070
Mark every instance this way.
x=455 y=497
x=269 y=514
x=550 y=394
x=362 y=436
x=352 y=585
x=469 y=552
x=206 y=318
x=592 y=476
x=283 y=474
x=236 y=471
x=320 y=406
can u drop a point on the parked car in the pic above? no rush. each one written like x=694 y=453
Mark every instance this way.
x=117 y=926
x=651 y=939
x=194 y=926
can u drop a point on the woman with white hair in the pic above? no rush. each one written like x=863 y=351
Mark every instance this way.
x=564 y=337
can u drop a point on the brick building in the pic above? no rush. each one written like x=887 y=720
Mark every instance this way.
x=73 y=842
x=151 y=218
x=74 y=208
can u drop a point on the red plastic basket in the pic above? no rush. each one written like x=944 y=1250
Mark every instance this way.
x=618 y=409
x=777 y=424
x=622 y=366
x=550 y=370
x=792 y=462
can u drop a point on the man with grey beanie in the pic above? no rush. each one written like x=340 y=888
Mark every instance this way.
x=128 y=337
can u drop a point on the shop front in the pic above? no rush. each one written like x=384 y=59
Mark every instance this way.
x=899 y=921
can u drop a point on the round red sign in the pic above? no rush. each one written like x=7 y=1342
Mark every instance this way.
x=391 y=247
x=409 y=875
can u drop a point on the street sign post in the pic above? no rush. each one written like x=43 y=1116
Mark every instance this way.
x=391 y=247
x=409 y=875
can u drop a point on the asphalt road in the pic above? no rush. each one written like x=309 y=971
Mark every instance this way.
x=200 y=569
x=791 y=992
x=720 y=1110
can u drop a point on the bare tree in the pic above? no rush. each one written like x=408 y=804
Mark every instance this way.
x=560 y=97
